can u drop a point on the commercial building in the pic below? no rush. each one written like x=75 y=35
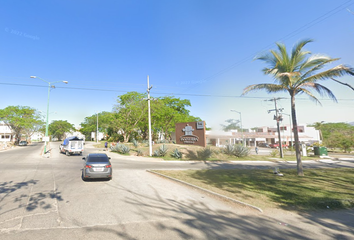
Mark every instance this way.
x=254 y=136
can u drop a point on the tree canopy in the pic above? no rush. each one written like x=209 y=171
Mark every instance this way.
x=129 y=118
x=22 y=120
x=58 y=128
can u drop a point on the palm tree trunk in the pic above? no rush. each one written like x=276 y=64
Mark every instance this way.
x=300 y=171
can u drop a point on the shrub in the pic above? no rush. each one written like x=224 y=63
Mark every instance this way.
x=241 y=151
x=205 y=153
x=121 y=148
x=229 y=149
x=176 y=154
x=156 y=153
x=163 y=150
x=135 y=143
x=139 y=152
x=274 y=153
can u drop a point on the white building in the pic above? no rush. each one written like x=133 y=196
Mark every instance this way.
x=6 y=134
x=268 y=135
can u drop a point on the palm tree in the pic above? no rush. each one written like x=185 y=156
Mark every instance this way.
x=298 y=73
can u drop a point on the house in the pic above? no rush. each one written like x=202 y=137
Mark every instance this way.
x=6 y=134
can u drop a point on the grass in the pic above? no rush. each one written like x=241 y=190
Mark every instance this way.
x=318 y=189
x=190 y=153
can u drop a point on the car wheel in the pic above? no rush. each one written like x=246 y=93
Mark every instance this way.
x=82 y=177
x=67 y=153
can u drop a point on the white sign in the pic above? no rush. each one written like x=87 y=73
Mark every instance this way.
x=46 y=139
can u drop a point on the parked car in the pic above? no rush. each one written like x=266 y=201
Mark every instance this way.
x=276 y=145
x=97 y=165
x=266 y=145
x=22 y=143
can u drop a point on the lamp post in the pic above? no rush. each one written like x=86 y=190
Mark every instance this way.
x=50 y=85
x=243 y=140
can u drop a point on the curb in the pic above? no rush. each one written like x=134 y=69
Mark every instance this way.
x=208 y=191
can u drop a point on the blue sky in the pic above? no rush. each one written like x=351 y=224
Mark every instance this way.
x=200 y=50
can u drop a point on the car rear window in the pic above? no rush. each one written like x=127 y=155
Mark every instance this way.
x=97 y=159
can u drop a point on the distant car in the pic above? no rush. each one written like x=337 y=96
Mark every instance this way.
x=97 y=165
x=22 y=143
x=276 y=145
x=266 y=145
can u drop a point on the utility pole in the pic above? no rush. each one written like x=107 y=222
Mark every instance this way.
x=278 y=118
x=149 y=115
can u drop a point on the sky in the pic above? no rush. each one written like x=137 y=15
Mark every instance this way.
x=201 y=50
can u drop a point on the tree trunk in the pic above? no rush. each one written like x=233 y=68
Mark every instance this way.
x=300 y=171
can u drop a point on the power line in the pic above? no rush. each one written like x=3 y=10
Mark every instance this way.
x=163 y=93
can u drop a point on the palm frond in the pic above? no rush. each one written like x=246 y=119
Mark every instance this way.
x=309 y=94
x=322 y=90
x=337 y=71
x=298 y=47
x=316 y=63
x=270 y=88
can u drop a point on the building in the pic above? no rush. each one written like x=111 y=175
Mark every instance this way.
x=268 y=135
x=6 y=134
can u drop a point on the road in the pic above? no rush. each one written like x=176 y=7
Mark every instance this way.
x=45 y=198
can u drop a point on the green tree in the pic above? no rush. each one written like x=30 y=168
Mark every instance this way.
x=338 y=135
x=232 y=125
x=130 y=111
x=21 y=120
x=167 y=111
x=105 y=120
x=298 y=72
x=58 y=128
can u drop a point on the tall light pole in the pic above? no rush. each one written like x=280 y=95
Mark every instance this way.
x=46 y=126
x=243 y=139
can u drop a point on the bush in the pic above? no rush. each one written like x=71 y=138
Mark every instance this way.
x=274 y=153
x=135 y=143
x=229 y=149
x=120 y=148
x=176 y=154
x=241 y=151
x=205 y=153
x=139 y=152
x=163 y=150
x=156 y=153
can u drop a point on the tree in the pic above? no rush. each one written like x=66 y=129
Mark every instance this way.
x=58 y=128
x=232 y=125
x=21 y=119
x=130 y=110
x=105 y=120
x=298 y=72
x=338 y=135
x=167 y=111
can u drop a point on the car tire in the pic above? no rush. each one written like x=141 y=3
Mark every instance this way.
x=82 y=177
x=67 y=153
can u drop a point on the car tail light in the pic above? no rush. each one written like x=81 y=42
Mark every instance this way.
x=108 y=166
x=88 y=166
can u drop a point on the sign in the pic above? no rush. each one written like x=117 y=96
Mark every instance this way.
x=46 y=139
x=191 y=133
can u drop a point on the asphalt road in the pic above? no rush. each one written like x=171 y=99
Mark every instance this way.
x=45 y=198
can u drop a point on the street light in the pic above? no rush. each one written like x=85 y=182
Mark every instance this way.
x=46 y=127
x=243 y=140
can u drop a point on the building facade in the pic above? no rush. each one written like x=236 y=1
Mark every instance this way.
x=255 y=136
